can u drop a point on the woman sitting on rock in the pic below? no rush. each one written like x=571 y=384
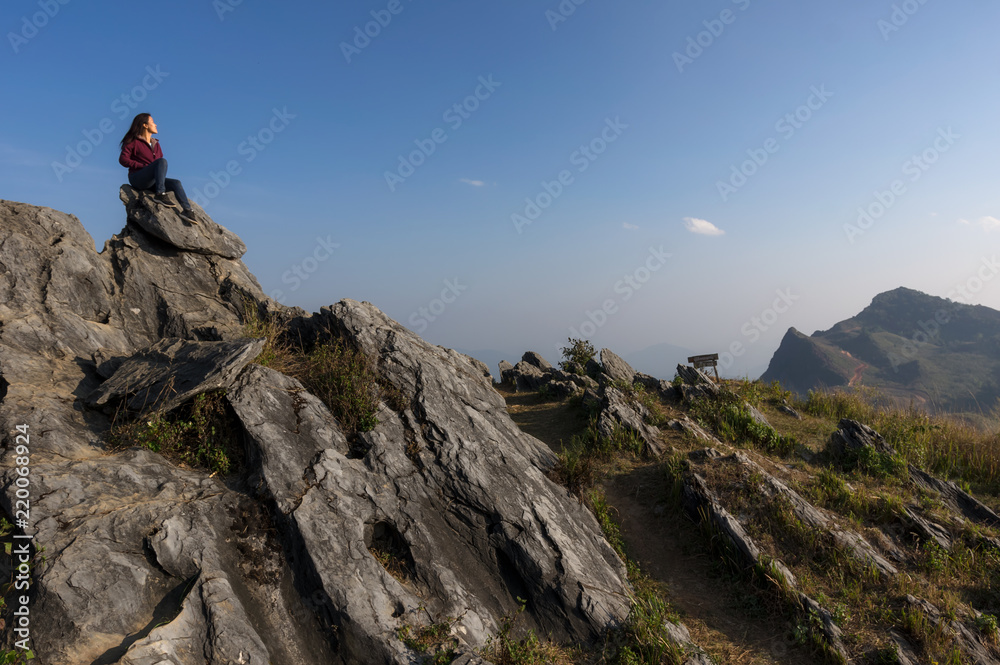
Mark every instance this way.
x=147 y=169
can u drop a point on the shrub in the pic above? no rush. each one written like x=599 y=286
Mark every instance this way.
x=730 y=417
x=202 y=433
x=346 y=381
x=434 y=642
x=343 y=378
x=504 y=649
x=576 y=356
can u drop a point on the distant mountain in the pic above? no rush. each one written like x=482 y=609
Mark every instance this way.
x=939 y=354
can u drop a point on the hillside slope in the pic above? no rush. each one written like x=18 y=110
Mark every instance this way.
x=913 y=347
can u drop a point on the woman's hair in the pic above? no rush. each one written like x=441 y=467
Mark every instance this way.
x=134 y=131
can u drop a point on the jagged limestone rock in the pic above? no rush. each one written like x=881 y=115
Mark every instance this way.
x=696 y=378
x=955 y=497
x=847 y=540
x=852 y=436
x=172 y=371
x=619 y=412
x=701 y=503
x=450 y=463
x=533 y=358
x=969 y=641
x=615 y=367
x=506 y=370
x=148 y=562
x=688 y=426
x=166 y=224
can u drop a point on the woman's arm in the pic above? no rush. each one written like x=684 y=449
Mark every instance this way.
x=127 y=158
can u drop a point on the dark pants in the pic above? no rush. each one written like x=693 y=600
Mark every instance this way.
x=154 y=176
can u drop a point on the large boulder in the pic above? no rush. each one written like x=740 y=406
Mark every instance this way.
x=615 y=367
x=166 y=224
x=853 y=436
x=533 y=358
x=172 y=371
x=619 y=413
x=148 y=563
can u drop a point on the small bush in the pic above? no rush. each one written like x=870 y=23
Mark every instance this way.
x=986 y=624
x=576 y=468
x=504 y=649
x=343 y=378
x=576 y=356
x=730 y=417
x=202 y=434
x=346 y=381
x=278 y=353
x=433 y=642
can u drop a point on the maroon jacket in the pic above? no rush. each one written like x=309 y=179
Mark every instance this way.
x=138 y=154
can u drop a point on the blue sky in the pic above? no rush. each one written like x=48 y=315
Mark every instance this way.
x=554 y=167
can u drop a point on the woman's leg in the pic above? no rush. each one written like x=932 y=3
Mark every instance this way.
x=177 y=188
x=152 y=176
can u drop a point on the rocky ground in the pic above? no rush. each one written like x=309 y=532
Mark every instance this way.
x=323 y=545
x=398 y=507
x=793 y=539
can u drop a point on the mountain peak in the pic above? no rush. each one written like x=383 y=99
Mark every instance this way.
x=910 y=345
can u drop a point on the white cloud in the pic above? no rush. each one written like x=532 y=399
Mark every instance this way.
x=474 y=183
x=988 y=223
x=630 y=227
x=702 y=227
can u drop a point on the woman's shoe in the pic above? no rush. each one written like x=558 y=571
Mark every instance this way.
x=164 y=199
x=189 y=216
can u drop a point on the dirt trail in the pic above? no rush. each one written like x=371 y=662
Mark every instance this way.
x=857 y=370
x=670 y=549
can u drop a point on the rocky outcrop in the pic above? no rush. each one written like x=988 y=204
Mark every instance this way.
x=704 y=505
x=965 y=638
x=164 y=223
x=620 y=413
x=171 y=372
x=853 y=436
x=616 y=368
x=955 y=497
x=694 y=384
x=848 y=541
x=534 y=373
x=148 y=562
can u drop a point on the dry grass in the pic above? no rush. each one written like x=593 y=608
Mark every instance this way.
x=943 y=445
x=343 y=378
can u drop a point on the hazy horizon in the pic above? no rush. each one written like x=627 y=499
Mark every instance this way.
x=506 y=177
